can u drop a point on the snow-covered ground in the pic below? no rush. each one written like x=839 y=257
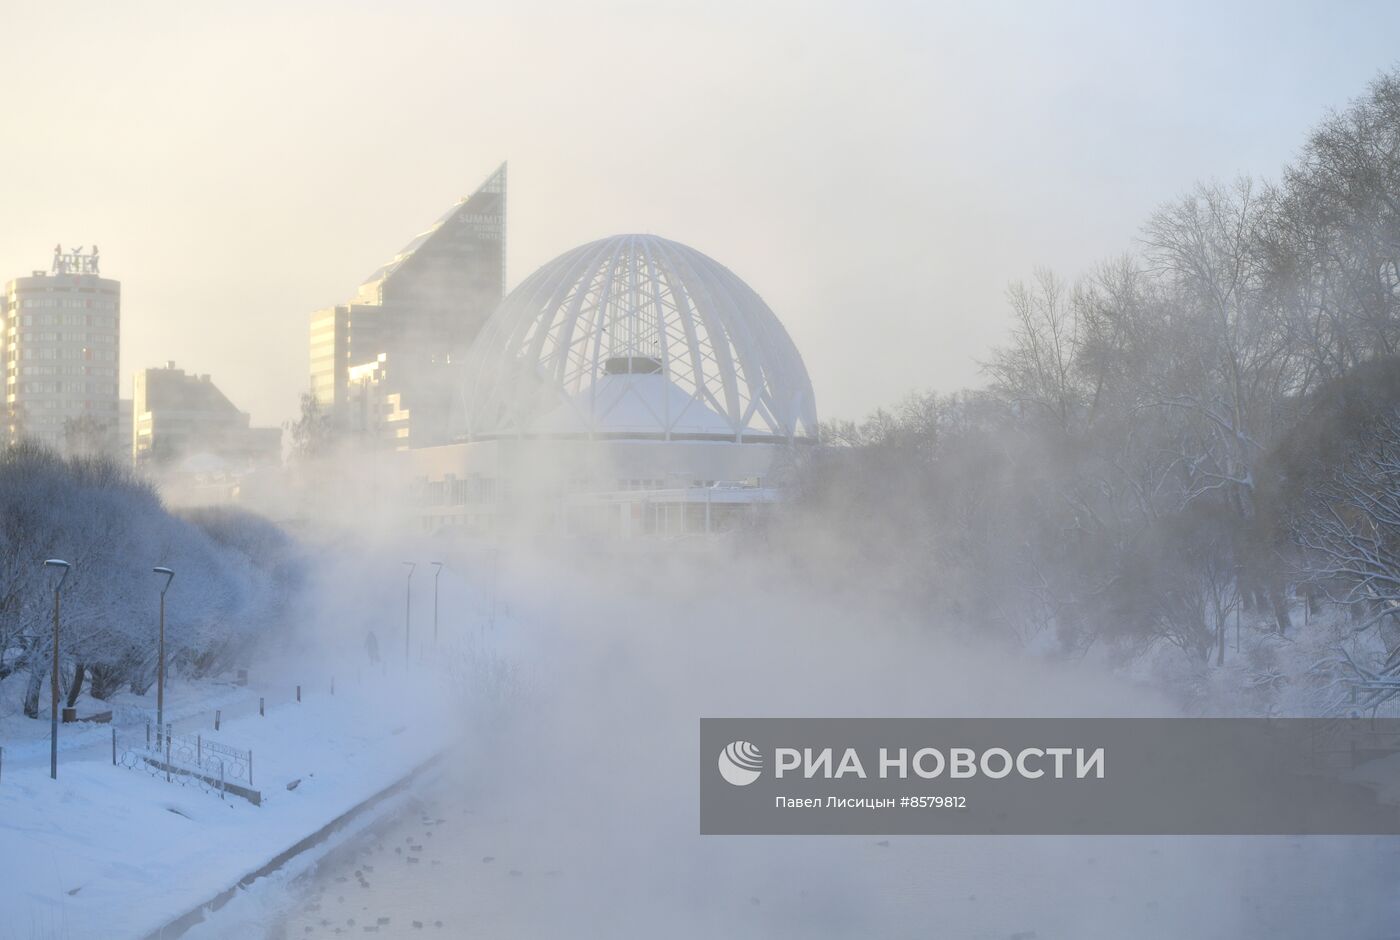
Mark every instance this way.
x=105 y=851
x=111 y=852
x=572 y=808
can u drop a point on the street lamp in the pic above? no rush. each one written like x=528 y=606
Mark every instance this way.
x=437 y=572
x=53 y=717
x=160 y=655
x=408 y=608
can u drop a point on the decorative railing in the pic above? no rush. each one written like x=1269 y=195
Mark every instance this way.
x=191 y=760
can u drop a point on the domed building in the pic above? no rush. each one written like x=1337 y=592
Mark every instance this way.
x=632 y=384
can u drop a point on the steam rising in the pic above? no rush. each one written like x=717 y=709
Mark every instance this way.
x=570 y=797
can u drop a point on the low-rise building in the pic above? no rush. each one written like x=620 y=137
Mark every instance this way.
x=178 y=417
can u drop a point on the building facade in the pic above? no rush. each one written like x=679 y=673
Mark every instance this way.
x=376 y=412
x=62 y=344
x=387 y=365
x=179 y=416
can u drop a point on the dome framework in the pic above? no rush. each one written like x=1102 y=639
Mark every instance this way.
x=637 y=337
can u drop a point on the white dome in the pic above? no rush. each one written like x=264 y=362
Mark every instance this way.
x=637 y=337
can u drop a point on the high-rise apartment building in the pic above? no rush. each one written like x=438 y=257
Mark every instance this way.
x=387 y=365
x=62 y=330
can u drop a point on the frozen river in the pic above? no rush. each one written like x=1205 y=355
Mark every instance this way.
x=570 y=808
x=454 y=865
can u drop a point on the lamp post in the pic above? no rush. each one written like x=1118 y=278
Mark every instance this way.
x=53 y=684
x=437 y=571
x=408 y=608
x=160 y=651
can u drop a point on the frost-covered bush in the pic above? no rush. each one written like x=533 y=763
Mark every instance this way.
x=234 y=575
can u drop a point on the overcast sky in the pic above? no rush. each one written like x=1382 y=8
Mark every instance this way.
x=877 y=172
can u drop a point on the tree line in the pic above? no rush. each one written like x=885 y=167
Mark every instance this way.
x=1204 y=426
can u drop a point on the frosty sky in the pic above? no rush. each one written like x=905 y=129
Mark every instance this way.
x=877 y=172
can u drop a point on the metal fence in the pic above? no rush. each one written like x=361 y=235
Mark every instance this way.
x=1363 y=722
x=190 y=760
x=1373 y=697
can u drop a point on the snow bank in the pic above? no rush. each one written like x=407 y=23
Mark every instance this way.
x=111 y=852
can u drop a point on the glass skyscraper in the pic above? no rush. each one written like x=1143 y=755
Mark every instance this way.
x=387 y=365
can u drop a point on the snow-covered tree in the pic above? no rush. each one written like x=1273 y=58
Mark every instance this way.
x=234 y=573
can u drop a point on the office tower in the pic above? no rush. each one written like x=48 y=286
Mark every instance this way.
x=387 y=365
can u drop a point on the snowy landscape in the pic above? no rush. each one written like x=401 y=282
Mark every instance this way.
x=424 y=646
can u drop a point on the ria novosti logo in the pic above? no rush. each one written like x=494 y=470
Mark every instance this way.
x=740 y=763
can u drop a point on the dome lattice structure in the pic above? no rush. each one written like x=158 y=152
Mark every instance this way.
x=637 y=337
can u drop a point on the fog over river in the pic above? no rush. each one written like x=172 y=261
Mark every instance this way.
x=570 y=805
